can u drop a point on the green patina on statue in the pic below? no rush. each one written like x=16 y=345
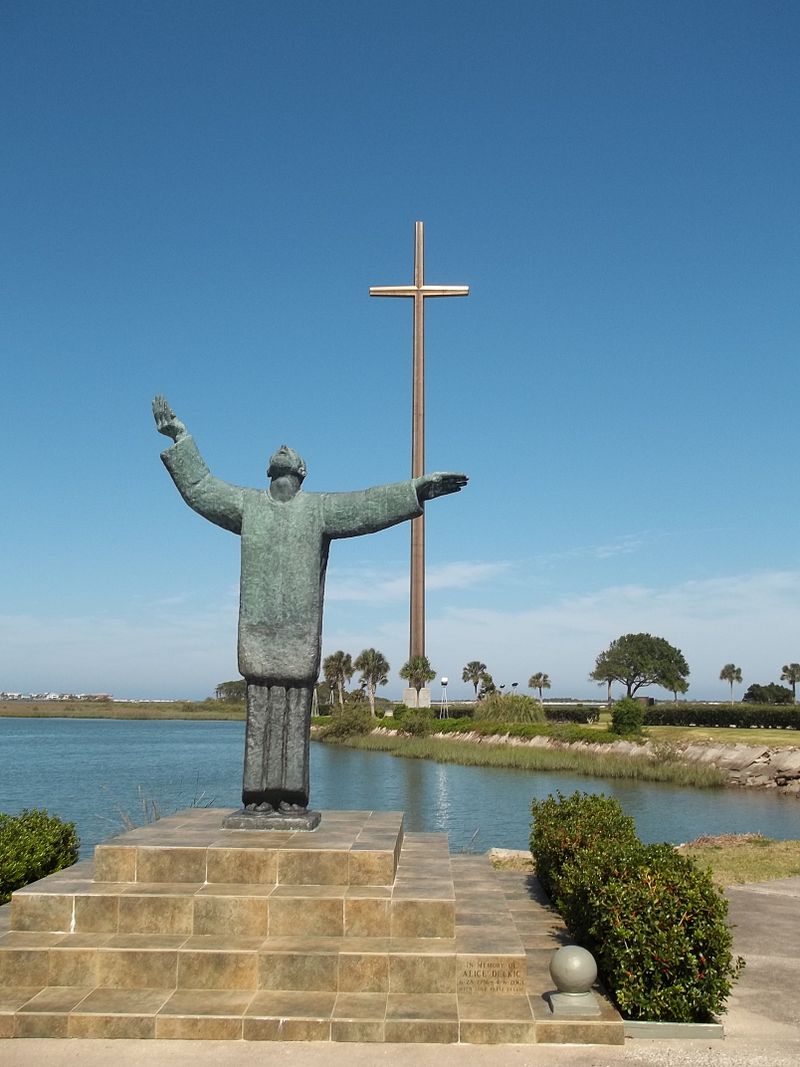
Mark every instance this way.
x=286 y=535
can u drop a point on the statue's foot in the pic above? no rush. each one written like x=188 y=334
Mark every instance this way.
x=291 y=809
x=262 y=807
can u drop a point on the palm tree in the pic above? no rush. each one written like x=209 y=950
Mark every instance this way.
x=731 y=673
x=791 y=674
x=338 y=670
x=374 y=669
x=473 y=672
x=539 y=681
x=418 y=672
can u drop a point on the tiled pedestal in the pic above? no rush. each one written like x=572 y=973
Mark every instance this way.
x=355 y=932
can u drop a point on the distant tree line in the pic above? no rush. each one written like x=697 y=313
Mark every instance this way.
x=633 y=660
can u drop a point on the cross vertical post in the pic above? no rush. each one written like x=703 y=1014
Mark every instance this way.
x=419 y=291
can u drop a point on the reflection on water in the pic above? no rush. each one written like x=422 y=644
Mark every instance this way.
x=90 y=771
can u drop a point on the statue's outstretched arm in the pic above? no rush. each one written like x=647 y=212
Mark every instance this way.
x=440 y=483
x=217 y=501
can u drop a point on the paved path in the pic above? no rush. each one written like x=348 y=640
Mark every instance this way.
x=762 y=1026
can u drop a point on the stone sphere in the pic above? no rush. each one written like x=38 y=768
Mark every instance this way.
x=573 y=969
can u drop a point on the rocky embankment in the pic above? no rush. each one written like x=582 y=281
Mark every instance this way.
x=752 y=766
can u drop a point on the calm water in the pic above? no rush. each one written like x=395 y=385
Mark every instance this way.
x=89 y=771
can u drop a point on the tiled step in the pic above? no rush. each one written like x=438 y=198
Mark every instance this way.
x=349 y=848
x=239 y=910
x=84 y=1012
x=64 y=1012
x=323 y=964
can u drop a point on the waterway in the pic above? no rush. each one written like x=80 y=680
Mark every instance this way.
x=98 y=773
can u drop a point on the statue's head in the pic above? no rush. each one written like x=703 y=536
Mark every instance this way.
x=286 y=461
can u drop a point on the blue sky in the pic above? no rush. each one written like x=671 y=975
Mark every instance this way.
x=196 y=197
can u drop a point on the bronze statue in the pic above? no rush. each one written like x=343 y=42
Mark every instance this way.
x=286 y=535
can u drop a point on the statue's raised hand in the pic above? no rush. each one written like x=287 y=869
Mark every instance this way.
x=166 y=420
x=439 y=484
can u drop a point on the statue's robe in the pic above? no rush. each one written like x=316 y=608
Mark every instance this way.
x=284 y=556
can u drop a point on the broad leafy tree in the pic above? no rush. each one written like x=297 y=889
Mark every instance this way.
x=473 y=672
x=231 y=690
x=768 y=694
x=374 y=668
x=677 y=685
x=637 y=660
x=732 y=674
x=539 y=681
x=418 y=672
x=791 y=674
x=487 y=686
x=338 y=670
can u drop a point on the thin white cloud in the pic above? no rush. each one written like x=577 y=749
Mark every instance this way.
x=625 y=545
x=381 y=586
x=750 y=619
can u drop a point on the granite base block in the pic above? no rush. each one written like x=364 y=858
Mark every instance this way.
x=271 y=820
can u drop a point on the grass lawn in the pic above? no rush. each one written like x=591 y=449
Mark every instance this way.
x=734 y=859
x=724 y=735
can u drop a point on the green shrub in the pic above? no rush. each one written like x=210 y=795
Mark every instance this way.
x=627 y=716
x=508 y=707
x=418 y=722
x=768 y=694
x=352 y=722
x=461 y=711
x=654 y=921
x=564 y=826
x=571 y=713
x=33 y=844
x=656 y=925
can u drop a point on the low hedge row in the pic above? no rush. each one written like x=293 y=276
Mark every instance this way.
x=653 y=920
x=32 y=845
x=766 y=716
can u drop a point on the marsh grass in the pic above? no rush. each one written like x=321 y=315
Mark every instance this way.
x=149 y=808
x=521 y=757
x=80 y=709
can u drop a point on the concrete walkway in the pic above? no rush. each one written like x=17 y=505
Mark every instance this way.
x=762 y=1025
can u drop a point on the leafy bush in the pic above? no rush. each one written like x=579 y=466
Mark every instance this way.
x=769 y=694
x=352 y=722
x=33 y=844
x=417 y=723
x=654 y=921
x=765 y=716
x=508 y=707
x=564 y=826
x=571 y=713
x=627 y=716
x=461 y=711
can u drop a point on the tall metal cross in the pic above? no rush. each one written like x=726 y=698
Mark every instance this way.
x=419 y=291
